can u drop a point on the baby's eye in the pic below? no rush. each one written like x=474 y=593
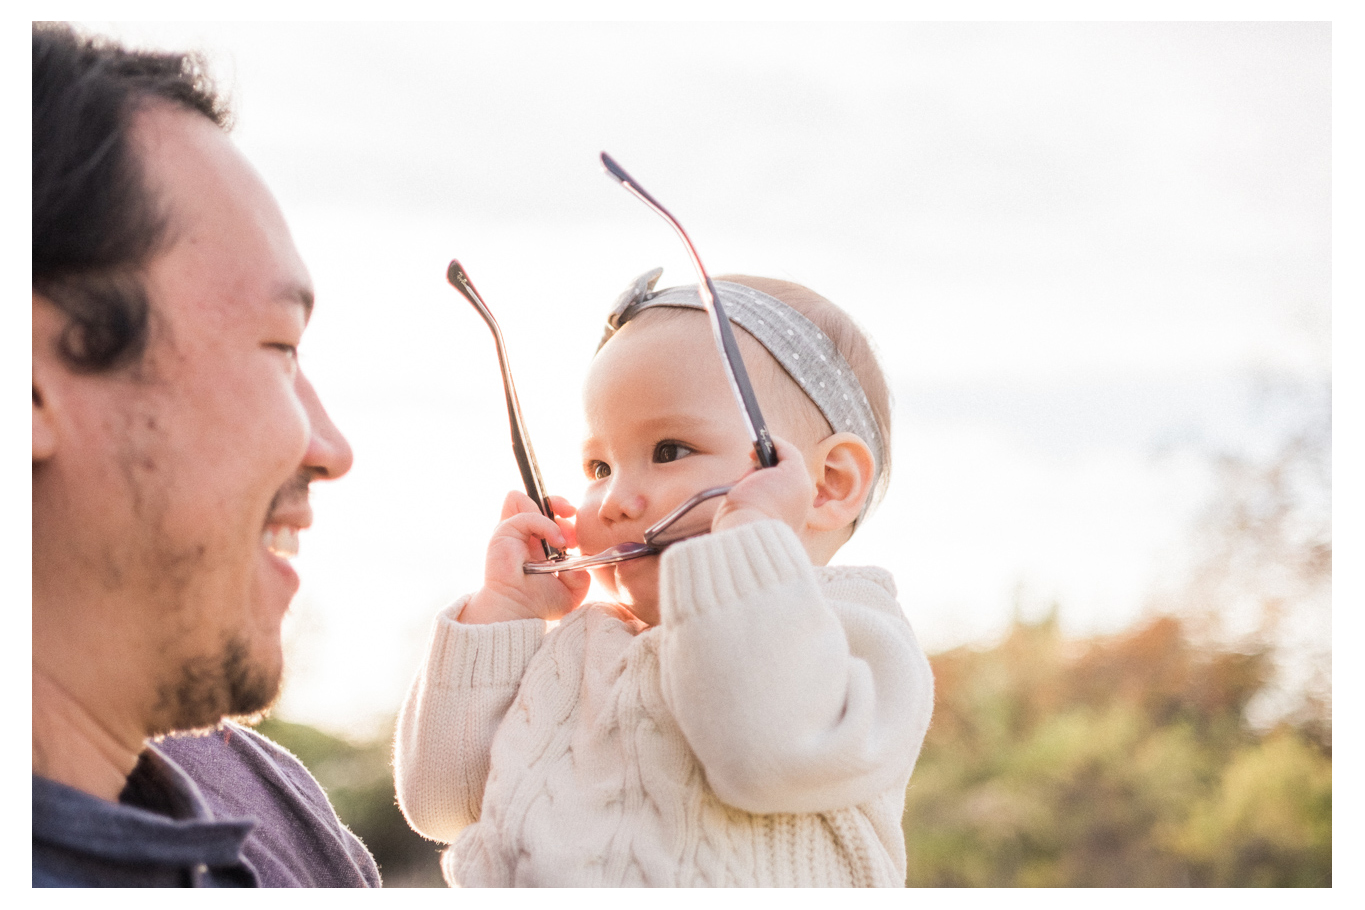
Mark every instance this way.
x=665 y=452
x=596 y=470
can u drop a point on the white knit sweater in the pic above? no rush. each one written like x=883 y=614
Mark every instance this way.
x=762 y=734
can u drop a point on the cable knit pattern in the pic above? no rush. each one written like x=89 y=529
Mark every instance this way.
x=461 y=693
x=762 y=734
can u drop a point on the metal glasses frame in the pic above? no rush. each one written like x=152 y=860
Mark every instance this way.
x=657 y=537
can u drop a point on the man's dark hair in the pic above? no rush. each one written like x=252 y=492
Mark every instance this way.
x=95 y=221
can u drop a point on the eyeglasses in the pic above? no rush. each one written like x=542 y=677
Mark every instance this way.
x=693 y=517
x=720 y=323
x=521 y=442
x=687 y=520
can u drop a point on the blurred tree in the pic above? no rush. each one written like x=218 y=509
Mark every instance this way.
x=1193 y=750
x=1121 y=761
x=1263 y=559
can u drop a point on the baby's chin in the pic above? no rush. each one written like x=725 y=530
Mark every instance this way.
x=635 y=585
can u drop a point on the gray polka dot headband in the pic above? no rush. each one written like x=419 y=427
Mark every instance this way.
x=805 y=352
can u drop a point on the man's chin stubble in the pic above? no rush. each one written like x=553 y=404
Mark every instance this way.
x=210 y=689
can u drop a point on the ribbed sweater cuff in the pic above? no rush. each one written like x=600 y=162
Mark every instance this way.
x=489 y=655
x=729 y=567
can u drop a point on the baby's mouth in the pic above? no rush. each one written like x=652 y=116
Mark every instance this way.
x=282 y=540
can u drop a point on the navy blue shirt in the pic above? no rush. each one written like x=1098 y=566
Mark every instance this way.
x=161 y=833
x=229 y=809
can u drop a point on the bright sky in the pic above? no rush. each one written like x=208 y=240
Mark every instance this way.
x=1076 y=246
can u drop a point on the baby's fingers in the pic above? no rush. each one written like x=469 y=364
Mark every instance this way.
x=528 y=528
x=786 y=451
x=518 y=503
x=789 y=457
x=783 y=491
x=562 y=506
x=569 y=530
x=564 y=513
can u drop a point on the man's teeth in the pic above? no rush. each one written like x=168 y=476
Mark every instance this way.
x=281 y=540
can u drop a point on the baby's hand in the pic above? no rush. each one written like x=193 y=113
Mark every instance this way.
x=784 y=491
x=508 y=592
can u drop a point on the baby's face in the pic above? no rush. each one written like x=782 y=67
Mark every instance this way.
x=663 y=425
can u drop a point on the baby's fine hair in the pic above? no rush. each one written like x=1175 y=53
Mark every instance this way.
x=850 y=341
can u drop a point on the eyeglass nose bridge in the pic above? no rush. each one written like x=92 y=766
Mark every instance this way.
x=670 y=529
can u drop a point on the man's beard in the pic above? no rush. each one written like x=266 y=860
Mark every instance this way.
x=210 y=689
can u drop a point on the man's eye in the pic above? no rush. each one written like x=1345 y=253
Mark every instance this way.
x=665 y=452
x=596 y=470
x=290 y=349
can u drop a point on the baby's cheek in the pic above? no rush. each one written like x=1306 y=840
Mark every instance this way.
x=589 y=533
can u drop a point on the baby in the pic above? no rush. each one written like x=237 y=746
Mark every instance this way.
x=742 y=714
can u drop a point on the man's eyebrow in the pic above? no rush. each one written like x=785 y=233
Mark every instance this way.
x=300 y=294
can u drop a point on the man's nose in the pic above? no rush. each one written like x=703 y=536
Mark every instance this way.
x=329 y=454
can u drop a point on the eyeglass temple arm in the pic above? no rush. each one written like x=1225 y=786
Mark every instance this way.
x=720 y=324
x=521 y=443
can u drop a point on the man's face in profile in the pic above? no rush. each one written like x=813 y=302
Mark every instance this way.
x=196 y=462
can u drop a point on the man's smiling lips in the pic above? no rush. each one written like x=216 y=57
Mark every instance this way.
x=280 y=539
x=289 y=514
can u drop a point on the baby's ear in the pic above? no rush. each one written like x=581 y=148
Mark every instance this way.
x=842 y=468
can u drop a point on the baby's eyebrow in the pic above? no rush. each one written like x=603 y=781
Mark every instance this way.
x=676 y=423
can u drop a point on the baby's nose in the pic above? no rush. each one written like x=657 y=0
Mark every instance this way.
x=623 y=502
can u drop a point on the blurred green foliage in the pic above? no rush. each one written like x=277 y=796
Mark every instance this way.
x=1120 y=761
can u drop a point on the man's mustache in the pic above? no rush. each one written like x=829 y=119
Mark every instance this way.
x=294 y=490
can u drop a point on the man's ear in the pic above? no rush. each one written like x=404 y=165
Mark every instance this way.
x=47 y=327
x=842 y=468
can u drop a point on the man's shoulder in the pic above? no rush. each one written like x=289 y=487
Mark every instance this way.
x=233 y=755
x=299 y=839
